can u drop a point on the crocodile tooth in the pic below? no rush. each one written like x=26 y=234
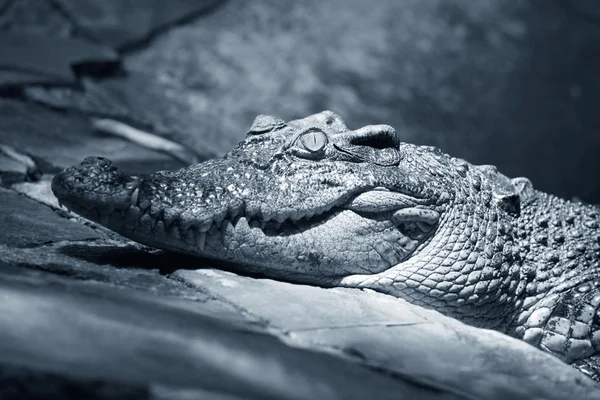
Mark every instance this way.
x=174 y=232
x=132 y=216
x=276 y=225
x=190 y=237
x=205 y=225
x=147 y=223
x=280 y=218
x=201 y=240
x=154 y=222
x=135 y=197
x=262 y=224
x=169 y=218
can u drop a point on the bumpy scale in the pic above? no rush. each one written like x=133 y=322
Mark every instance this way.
x=312 y=201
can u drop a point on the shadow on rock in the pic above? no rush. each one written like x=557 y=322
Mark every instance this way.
x=131 y=257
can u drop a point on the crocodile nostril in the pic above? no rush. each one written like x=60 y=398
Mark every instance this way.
x=93 y=160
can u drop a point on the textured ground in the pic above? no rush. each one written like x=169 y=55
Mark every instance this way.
x=85 y=313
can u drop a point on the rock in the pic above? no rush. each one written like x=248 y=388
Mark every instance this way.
x=50 y=60
x=59 y=140
x=16 y=167
x=123 y=24
x=41 y=191
x=392 y=335
x=25 y=383
x=94 y=332
x=12 y=169
x=26 y=223
x=114 y=264
x=36 y=17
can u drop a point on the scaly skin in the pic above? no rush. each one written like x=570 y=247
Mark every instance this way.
x=312 y=201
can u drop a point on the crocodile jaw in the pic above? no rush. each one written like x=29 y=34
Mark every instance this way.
x=320 y=247
x=346 y=227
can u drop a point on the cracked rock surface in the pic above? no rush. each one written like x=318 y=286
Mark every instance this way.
x=85 y=313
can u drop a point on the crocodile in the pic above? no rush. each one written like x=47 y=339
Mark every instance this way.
x=315 y=202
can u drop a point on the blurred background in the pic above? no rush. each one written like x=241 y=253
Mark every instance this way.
x=513 y=83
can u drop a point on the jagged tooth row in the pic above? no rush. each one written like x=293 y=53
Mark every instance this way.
x=135 y=218
x=276 y=220
x=191 y=233
x=216 y=223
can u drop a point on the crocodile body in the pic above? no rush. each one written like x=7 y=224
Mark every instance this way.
x=313 y=201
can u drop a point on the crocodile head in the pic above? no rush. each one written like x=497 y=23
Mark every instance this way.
x=311 y=201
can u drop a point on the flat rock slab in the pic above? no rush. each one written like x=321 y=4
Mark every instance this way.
x=99 y=333
x=26 y=223
x=113 y=264
x=59 y=140
x=391 y=334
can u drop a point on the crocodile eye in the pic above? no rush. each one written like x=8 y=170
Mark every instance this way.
x=313 y=140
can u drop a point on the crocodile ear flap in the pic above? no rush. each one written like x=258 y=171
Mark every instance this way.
x=509 y=202
x=265 y=123
x=506 y=195
x=376 y=136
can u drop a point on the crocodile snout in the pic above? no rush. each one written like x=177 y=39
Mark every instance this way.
x=95 y=183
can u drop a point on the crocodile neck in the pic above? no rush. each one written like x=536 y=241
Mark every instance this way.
x=560 y=240
x=560 y=249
